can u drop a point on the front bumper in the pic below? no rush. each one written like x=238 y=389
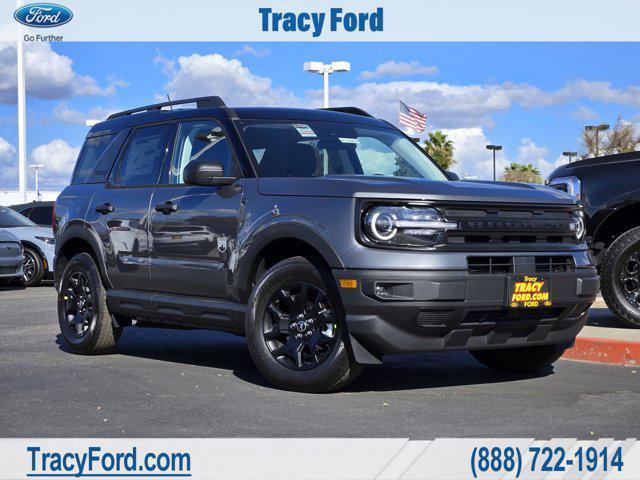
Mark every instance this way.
x=11 y=268
x=422 y=311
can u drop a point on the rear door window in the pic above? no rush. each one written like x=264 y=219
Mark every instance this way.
x=142 y=161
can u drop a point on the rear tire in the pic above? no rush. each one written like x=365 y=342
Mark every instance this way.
x=33 y=267
x=620 y=287
x=521 y=360
x=314 y=357
x=85 y=321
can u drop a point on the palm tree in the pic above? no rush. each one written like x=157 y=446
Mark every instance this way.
x=440 y=148
x=517 y=172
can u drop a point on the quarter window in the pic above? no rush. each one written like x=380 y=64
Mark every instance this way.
x=142 y=161
x=91 y=152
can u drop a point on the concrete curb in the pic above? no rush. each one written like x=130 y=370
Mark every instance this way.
x=605 y=350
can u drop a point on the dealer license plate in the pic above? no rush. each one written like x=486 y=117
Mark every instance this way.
x=530 y=291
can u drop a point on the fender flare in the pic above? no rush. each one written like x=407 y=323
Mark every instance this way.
x=80 y=230
x=266 y=234
x=614 y=208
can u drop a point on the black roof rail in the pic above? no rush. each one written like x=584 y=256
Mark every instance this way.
x=351 y=110
x=201 y=102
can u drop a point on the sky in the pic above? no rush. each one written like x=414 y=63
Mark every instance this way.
x=531 y=98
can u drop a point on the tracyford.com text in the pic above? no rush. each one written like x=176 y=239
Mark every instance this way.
x=94 y=461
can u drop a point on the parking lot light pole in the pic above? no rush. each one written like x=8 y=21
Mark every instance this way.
x=36 y=168
x=494 y=148
x=597 y=128
x=326 y=69
x=570 y=155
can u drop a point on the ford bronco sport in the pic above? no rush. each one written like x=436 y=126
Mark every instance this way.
x=326 y=237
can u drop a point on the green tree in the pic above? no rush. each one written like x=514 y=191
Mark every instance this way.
x=517 y=172
x=440 y=148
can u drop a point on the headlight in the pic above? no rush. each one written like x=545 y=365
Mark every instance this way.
x=571 y=185
x=577 y=225
x=48 y=240
x=405 y=226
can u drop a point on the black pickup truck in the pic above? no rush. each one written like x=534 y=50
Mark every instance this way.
x=609 y=189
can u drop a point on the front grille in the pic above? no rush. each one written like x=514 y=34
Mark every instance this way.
x=554 y=264
x=489 y=226
x=520 y=264
x=490 y=264
x=494 y=316
x=427 y=318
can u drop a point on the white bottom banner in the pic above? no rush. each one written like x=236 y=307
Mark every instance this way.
x=320 y=458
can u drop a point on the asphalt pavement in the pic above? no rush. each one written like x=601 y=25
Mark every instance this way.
x=165 y=383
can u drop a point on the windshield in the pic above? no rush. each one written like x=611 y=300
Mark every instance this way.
x=10 y=218
x=315 y=149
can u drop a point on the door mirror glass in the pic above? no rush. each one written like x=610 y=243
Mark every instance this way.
x=205 y=172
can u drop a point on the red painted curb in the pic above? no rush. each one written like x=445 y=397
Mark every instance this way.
x=604 y=350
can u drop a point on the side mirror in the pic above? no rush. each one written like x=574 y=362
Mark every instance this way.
x=453 y=175
x=205 y=172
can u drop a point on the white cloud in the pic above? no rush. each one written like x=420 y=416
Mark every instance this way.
x=472 y=157
x=66 y=114
x=8 y=163
x=257 y=52
x=48 y=75
x=197 y=75
x=584 y=113
x=58 y=158
x=399 y=69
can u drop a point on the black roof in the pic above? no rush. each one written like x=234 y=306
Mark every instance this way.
x=118 y=122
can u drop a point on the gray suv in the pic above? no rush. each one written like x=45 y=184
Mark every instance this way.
x=326 y=237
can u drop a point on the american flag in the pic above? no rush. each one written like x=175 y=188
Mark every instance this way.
x=410 y=117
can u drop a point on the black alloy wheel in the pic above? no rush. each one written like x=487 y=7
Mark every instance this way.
x=620 y=278
x=32 y=267
x=629 y=277
x=28 y=266
x=78 y=304
x=300 y=327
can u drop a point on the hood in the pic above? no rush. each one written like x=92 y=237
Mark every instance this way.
x=607 y=161
x=29 y=233
x=6 y=236
x=360 y=186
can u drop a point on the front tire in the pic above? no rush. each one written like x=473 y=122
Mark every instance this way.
x=519 y=360
x=33 y=267
x=85 y=321
x=296 y=331
x=620 y=278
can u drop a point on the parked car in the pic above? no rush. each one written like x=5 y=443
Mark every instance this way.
x=327 y=237
x=10 y=259
x=40 y=213
x=37 y=242
x=609 y=189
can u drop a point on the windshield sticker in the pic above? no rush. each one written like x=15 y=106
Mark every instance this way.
x=349 y=140
x=304 y=130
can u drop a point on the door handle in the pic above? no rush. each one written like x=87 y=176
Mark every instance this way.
x=105 y=208
x=166 y=207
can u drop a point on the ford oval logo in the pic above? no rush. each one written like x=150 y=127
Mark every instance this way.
x=43 y=15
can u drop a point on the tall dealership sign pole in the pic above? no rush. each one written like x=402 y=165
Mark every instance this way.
x=326 y=69
x=22 y=119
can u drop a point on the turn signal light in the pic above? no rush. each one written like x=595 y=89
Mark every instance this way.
x=348 y=283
